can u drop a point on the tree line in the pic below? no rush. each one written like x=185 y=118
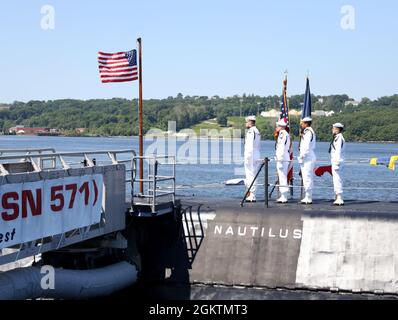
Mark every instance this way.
x=375 y=120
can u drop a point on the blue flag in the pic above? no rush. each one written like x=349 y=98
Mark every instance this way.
x=306 y=110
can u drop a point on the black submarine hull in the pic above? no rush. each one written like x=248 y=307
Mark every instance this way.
x=281 y=249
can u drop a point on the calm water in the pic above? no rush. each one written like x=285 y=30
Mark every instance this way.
x=196 y=177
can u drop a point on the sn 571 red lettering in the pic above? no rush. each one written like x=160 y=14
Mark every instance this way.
x=16 y=204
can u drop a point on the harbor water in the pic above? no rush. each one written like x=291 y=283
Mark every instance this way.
x=202 y=170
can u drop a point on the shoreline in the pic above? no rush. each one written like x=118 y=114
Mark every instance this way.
x=178 y=138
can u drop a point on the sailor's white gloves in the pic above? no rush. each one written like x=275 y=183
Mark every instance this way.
x=336 y=165
x=301 y=161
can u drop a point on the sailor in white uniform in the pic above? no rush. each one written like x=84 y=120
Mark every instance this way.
x=282 y=157
x=337 y=157
x=252 y=158
x=307 y=158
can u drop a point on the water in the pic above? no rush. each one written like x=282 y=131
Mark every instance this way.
x=362 y=181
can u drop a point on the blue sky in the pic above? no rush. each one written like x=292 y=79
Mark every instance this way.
x=205 y=47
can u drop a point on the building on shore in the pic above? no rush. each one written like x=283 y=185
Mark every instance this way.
x=80 y=130
x=322 y=113
x=295 y=113
x=270 y=114
x=35 y=131
x=352 y=103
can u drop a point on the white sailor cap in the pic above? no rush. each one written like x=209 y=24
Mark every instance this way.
x=281 y=123
x=306 y=119
x=338 y=125
x=251 y=118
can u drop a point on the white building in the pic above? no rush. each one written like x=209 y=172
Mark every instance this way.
x=322 y=113
x=329 y=113
x=270 y=114
x=295 y=113
x=352 y=103
x=319 y=113
x=16 y=129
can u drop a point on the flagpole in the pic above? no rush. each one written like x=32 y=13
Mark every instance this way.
x=290 y=181
x=287 y=116
x=301 y=133
x=140 y=121
x=284 y=97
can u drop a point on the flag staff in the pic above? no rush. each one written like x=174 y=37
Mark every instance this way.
x=290 y=169
x=305 y=112
x=140 y=121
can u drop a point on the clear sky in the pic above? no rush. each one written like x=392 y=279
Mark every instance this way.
x=199 y=47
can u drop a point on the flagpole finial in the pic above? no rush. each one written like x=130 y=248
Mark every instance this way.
x=285 y=80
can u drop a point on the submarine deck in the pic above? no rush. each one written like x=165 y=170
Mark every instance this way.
x=317 y=207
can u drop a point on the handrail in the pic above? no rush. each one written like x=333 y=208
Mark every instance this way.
x=152 y=179
x=190 y=225
x=68 y=154
x=63 y=161
x=38 y=159
x=39 y=150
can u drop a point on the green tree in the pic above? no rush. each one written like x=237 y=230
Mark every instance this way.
x=222 y=119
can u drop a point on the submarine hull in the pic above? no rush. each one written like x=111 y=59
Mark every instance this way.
x=317 y=248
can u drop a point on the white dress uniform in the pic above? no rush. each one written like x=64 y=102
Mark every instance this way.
x=282 y=157
x=307 y=160
x=252 y=159
x=337 y=157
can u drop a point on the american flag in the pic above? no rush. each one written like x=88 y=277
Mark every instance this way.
x=118 y=67
x=284 y=114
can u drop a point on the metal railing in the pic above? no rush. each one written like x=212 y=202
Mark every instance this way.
x=265 y=165
x=61 y=160
x=267 y=195
x=39 y=158
x=48 y=159
x=152 y=191
x=23 y=154
x=26 y=151
x=193 y=235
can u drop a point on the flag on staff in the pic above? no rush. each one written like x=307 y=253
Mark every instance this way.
x=284 y=114
x=118 y=67
x=123 y=67
x=306 y=110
